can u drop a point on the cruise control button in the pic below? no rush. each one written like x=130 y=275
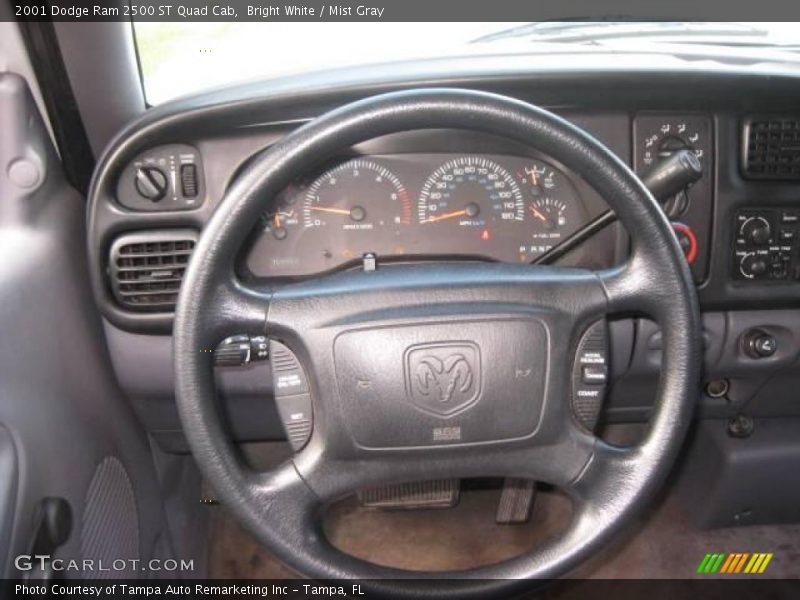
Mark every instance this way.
x=590 y=375
x=297 y=417
x=594 y=374
x=288 y=377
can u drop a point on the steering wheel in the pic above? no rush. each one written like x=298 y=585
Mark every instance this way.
x=378 y=327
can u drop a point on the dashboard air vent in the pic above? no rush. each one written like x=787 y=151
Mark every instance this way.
x=146 y=268
x=771 y=148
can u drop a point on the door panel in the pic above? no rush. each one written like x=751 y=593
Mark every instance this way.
x=74 y=435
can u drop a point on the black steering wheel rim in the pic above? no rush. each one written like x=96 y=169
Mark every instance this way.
x=282 y=508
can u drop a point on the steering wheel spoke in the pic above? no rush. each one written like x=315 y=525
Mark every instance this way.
x=285 y=512
x=638 y=287
x=235 y=309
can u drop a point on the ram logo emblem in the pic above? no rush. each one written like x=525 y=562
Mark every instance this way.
x=443 y=378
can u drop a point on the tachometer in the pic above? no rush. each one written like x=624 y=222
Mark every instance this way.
x=359 y=195
x=471 y=192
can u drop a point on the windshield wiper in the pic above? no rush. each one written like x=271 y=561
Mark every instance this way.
x=594 y=30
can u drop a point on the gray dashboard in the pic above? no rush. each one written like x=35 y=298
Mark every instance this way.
x=631 y=112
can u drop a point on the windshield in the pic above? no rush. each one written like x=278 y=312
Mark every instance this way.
x=183 y=58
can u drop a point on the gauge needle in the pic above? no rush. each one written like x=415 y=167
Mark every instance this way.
x=450 y=215
x=277 y=217
x=538 y=215
x=335 y=211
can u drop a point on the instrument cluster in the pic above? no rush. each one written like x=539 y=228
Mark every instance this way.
x=417 y=207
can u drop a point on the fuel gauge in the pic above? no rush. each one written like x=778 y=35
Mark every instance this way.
x=551 y=213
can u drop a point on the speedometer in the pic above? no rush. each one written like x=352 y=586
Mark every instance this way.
x=470 y=192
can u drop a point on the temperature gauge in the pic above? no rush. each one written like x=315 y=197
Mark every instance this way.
x=539 y=177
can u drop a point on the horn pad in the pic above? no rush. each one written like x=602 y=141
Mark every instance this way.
x=455 y=382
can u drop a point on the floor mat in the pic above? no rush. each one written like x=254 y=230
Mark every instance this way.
x=664 y=545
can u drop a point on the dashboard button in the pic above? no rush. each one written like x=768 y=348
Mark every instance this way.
x=189 y=180
x=590 y=375
x=297 y=418
x=758 y=343
x=594 y=374
x=288 y=377
x=291 y=394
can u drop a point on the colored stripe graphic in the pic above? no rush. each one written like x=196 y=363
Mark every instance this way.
x=718 y=562
x=703 y=563
x=741 y=562
x=735 y=558
x=735 y=562
x=727 y=565
x=765 y=562
x=711 y=562
x=750 y=568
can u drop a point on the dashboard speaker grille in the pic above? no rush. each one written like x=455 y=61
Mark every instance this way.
x=147 y=268
x=771 y=148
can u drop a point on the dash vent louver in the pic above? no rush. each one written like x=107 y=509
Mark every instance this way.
x=146 y=268
x=771 y=148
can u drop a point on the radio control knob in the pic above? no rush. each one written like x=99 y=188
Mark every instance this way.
x=757 y=231
x=752 y=266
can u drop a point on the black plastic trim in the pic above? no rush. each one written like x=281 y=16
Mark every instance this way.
x=65 y=119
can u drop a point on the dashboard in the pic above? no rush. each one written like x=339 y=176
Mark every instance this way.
x=444 y=195
x=418 y=206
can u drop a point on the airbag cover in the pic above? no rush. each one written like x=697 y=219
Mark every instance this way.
x=457 y=382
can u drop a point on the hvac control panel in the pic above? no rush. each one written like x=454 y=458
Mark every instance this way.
x=657 y=137
x=765 y=244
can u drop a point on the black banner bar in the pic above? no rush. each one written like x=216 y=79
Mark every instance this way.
x=727 y=588
x=404 y=10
